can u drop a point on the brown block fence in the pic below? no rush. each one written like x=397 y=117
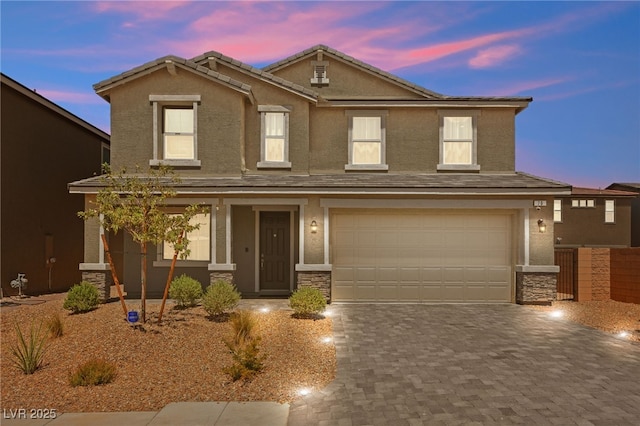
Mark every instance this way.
x=625 y=275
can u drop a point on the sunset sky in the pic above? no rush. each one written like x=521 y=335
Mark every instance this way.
x=580 y=61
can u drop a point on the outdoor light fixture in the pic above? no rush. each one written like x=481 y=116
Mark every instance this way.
x=304 y=391
x=623 y=334
x=542 y=227
x=314 y=226
x=556 y=314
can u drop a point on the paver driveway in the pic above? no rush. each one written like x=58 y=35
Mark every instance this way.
x=472 y=364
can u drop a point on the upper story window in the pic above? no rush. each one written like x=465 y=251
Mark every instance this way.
x=583 y=203
x=458 y=140
x=609 y=211
x=274 y=137
x=367 y=145
x=557 y=210
x=175 y=136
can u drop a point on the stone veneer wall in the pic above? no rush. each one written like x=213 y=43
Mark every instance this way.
x=102 y=280
x=320 y=280
x=225 y=276
x=600 y=274
x=536 y=288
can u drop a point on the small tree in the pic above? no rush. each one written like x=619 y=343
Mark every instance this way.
x=136 y=204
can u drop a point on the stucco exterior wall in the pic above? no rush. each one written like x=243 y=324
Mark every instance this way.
x=541 y=250
x=42 y=151
x=220 y=122
x=586 y=227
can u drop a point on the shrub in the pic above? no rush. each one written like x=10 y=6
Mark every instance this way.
x=243 y=346
x=28 y=352
x=55 y=325
x=220 y=297
x=185 y=290
x=82 y=297
x=307 y=301
x=93 y=372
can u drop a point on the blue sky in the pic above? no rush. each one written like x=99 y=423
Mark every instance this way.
x=580 y=61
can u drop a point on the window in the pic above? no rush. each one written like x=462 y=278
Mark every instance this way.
x=199 y=240
x=458 y=146
x=274 y=136
x=557 y=210
x=178 y=134
x=175 y=140
x=367 y=140
x=583 y=203
x=609 y=211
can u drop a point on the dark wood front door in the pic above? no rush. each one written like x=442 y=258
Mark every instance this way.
x=275 y=251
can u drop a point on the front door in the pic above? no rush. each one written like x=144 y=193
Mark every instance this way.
x=275 y=252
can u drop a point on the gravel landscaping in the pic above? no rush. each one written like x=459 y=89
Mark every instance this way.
x=180 y=360
x=608 y=315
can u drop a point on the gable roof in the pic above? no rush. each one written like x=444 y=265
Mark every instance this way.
x=354 y=62
x=103 y=88
x=33 y=95
x=592 y=192
x=256 y=73
x=626 y=186
x=520 y=102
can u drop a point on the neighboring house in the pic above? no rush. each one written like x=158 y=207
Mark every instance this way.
x=323 y=170
x=593 y=218
x=635 y=209
x=44 y=147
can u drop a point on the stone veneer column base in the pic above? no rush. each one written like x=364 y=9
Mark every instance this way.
x=536 y=285
x=316 y=279
x=221 y=275
x=102 y=280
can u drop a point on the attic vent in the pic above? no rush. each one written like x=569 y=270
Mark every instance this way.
x=319 y=73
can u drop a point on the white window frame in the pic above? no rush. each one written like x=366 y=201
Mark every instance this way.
x=263 y=163
x=473 y=114
x=557 y=211
x=164 y=258
x=583 y=203
x=159 y=103
x=610 y=214
x=382 y=114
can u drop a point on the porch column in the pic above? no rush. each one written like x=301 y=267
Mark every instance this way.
x=94 y=269
x=221 y=271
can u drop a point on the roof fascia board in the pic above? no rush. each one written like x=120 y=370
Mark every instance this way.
x=34 y=96
x=253 y=72
x=518 y=105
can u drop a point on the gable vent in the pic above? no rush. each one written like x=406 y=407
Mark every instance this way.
x=319 y=73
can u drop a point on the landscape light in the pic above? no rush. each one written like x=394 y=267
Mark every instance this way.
x=327 y=340
x=264 y=310
x=304 y=391
x=556 y=314
x=623 y=334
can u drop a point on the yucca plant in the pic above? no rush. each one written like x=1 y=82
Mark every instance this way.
x=29 y=351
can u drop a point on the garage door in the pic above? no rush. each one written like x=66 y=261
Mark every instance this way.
x=423 y=256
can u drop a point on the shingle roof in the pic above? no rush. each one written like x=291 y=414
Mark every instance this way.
x=105 y=85
x=626 y=186
x=255 y=72
x=373 y=183
x=601 y=192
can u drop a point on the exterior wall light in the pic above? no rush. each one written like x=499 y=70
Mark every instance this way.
x=542 y=227
x=314 y=226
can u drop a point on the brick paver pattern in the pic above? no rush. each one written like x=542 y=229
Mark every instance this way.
x=472 y=364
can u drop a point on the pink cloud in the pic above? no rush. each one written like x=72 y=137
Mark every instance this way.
x=494 y=55
x=525 y=86
x=58 y=96
x=142 y=10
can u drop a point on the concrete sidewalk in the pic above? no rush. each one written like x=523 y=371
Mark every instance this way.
x=176 y=413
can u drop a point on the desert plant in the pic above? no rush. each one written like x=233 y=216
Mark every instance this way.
x=55 y=325
x=82 y=297
x=307 y=301
x=243 y=346
x=185 y=290
x=29 y=351
x=220 y=297
x=93 y=372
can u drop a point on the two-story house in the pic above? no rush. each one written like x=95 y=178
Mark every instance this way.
x=323 y=170
x=593 y=218
x=44 y=147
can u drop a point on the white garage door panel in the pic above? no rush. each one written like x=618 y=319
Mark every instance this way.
x=421 y=257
